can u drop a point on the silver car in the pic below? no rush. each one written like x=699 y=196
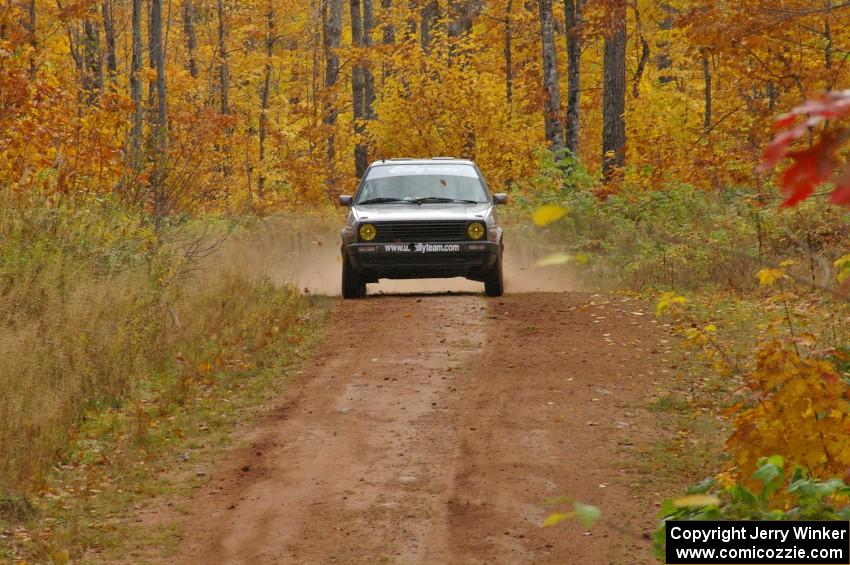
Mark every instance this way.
x=422 y=218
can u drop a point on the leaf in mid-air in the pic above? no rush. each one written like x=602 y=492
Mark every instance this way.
x=548 y=214
x=555 y=518
x=696 y=501
x=587 y=514
x=553 y=260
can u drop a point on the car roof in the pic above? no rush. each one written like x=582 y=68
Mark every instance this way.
x=431 y=161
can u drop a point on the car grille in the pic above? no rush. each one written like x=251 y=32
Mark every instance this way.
x=420 y=231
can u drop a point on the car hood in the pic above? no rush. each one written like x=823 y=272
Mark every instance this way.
x=412 y=212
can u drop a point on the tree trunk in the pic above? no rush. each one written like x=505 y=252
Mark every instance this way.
x=641 y=66
x=644 y=52
x=358 y=81
x=160 y=127
x=270 y=41
x=706 y=75
x=429 y=17
x=663 y=60
x=109 y=33
x=827 y=36
x=332 y=17
x=189 y=16
x=614 y=95
x=136 y=84
x=509 y=64
x=224 y=68
x=316 y=29
x=32 y=36
x=151 y=67
x=460 y=23
x=93 y=70
x=552 y=104
x=573 y=10
x=389 y=29
x=369 y=77
x=388 y=38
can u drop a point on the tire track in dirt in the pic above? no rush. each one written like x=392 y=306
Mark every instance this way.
x=431 y=429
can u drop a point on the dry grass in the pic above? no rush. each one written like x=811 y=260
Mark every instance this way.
x=94 y=318
x=84 y=347
x=115 y=355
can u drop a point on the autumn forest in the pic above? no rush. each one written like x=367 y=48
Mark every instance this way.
x=268 y=104
x=676 y=176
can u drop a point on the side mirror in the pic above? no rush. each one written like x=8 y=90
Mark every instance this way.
x=500 y=198
x=346 y=200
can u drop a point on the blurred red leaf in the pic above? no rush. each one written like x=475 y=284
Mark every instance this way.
x=816 y=164
x=811 y=167
x=841 y=194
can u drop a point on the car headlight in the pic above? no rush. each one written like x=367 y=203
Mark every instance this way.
x=476 y=230
x=367 y=232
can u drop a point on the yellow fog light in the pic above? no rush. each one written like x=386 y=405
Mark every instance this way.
x=367 y=232
x=476 y=230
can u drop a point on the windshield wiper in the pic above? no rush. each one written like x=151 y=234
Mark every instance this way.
x=386 y=200
x=439 y=199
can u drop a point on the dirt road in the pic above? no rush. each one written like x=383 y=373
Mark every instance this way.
x=432 y=428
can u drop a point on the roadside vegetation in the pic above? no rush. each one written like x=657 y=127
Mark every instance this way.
x=121 y=350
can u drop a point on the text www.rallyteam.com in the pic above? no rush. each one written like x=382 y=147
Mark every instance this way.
x=422 y=248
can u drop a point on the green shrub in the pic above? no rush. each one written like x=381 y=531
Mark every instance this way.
x=802 y=499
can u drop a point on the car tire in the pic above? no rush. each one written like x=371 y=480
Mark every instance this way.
x=493 y=282
x=353 y=285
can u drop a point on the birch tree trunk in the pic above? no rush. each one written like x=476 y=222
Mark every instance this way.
x=357 y=89
x=508 y=52
x=270 y=41
x=573 y=10
x=224 y=68
x=332 y=30
x=552 y=104
x=159 y=129
x=706 y=76
x=614 y=95
x=369 y=77
x=136 y=84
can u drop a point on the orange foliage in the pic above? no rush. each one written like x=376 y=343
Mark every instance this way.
x=799 y=408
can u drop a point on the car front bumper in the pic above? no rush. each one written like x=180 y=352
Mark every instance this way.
x=437 y=259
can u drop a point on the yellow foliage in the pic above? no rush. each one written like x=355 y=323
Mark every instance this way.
x=768 y=276
x=668 y=300
x=843 y=266
x=458 y=96
x=797 y=407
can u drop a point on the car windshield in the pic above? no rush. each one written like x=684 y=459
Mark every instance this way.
x=422 y=184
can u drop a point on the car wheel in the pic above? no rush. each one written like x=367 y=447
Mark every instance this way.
x=493 y=282
x=353 y=285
